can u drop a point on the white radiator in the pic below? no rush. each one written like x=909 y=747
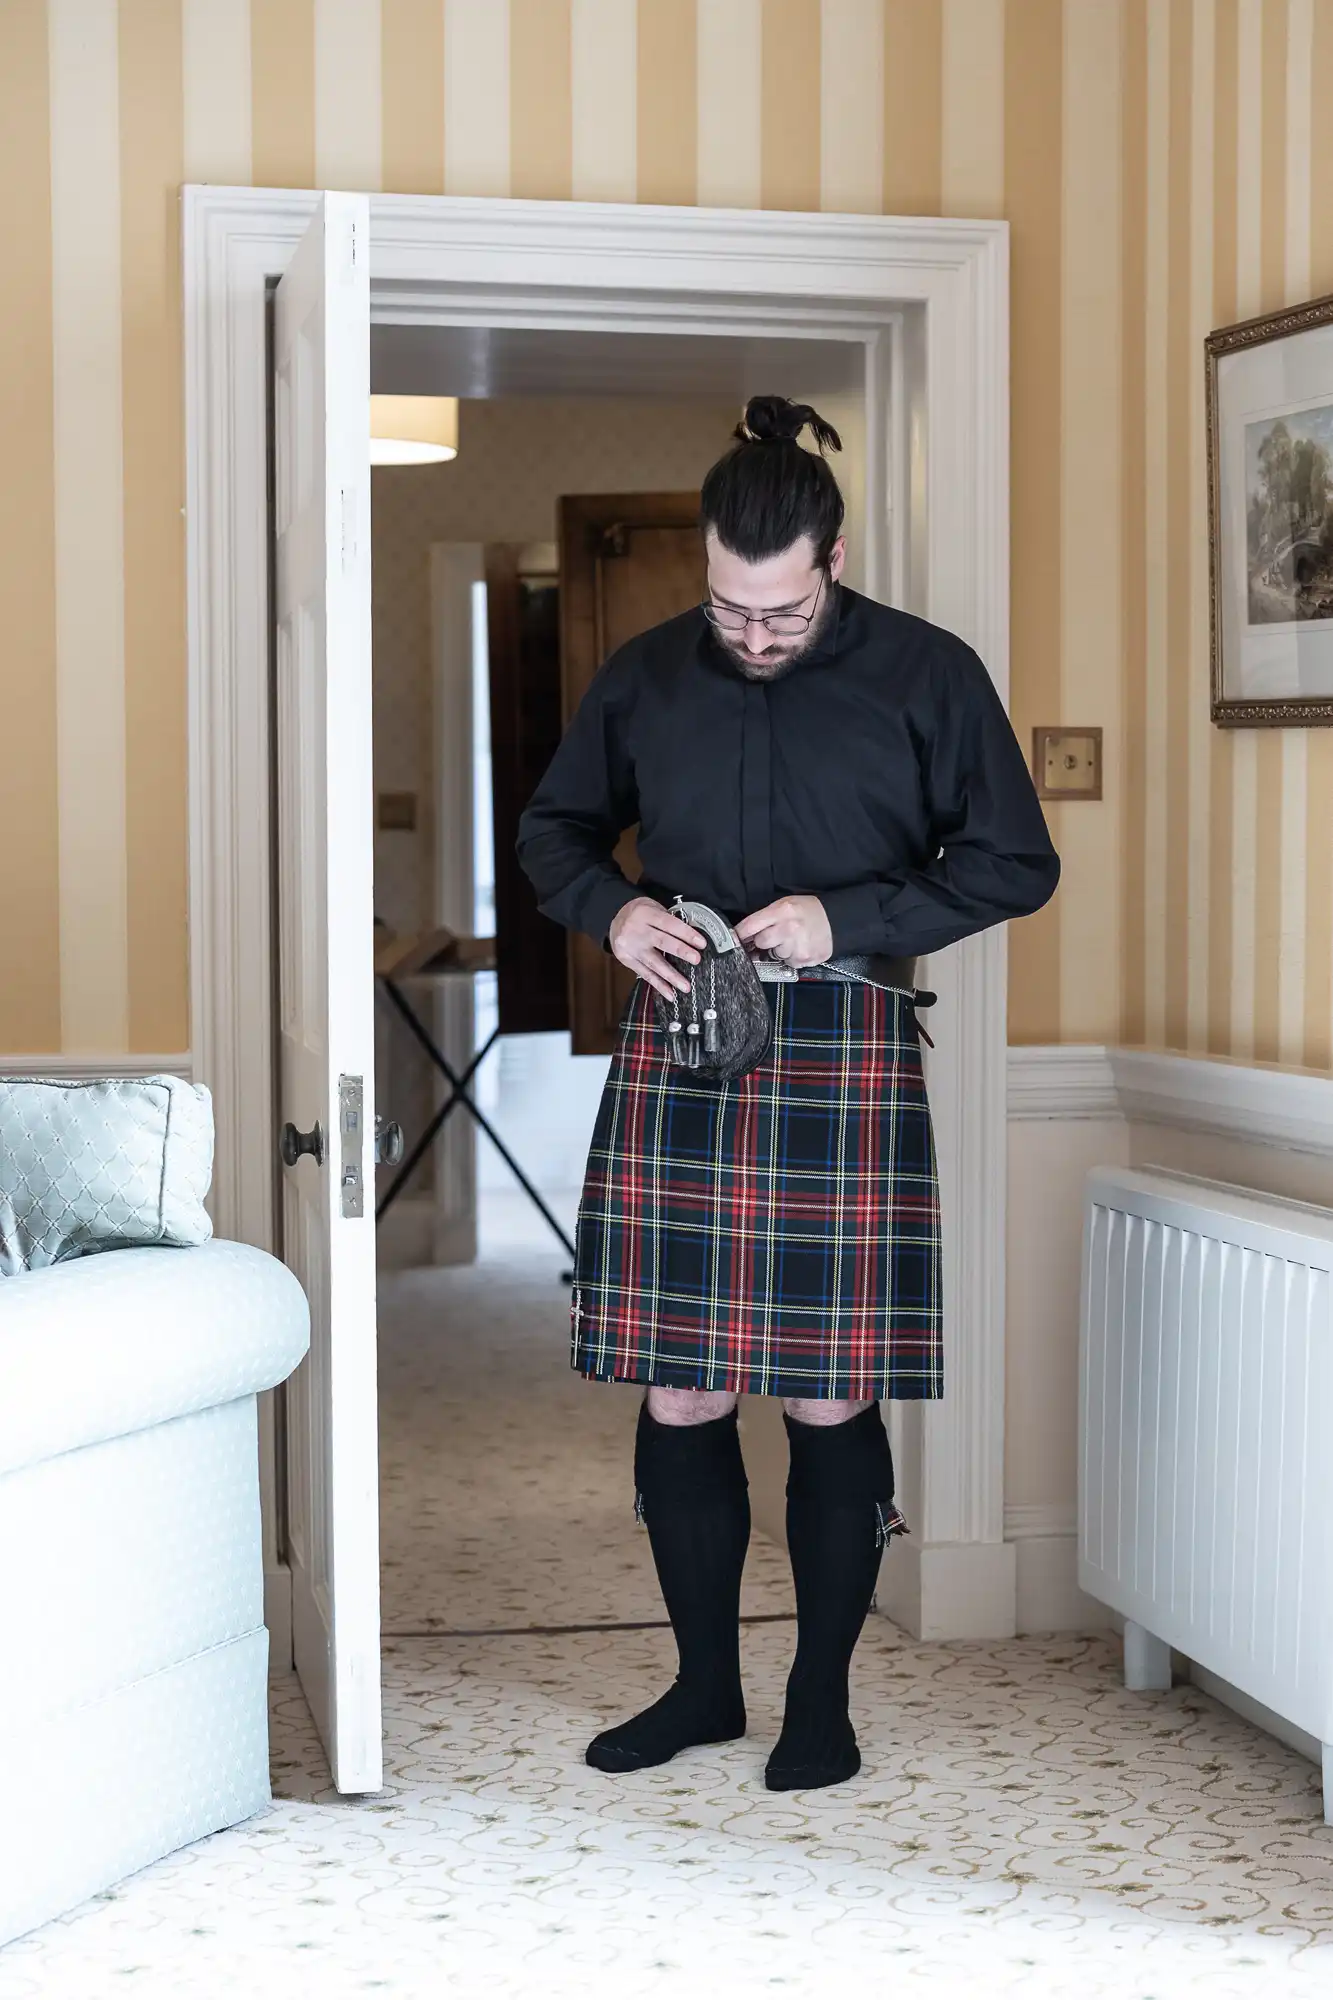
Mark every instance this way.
x=1206 y=1435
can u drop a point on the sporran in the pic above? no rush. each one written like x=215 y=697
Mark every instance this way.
x=722 y=1027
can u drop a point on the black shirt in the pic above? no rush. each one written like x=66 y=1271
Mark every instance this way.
x=880 y=774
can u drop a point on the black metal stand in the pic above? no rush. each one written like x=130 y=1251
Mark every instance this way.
x=458 y=1094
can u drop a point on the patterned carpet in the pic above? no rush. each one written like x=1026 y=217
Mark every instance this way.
x=1023 y=1826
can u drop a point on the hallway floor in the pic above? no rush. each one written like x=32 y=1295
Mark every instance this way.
x=1022 y=1824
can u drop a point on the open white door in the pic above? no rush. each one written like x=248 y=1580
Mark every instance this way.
x=326 y=920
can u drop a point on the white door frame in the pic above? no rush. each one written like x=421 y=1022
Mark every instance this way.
x=454 y=568
x=929 y=301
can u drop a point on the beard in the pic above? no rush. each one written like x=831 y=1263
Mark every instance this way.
x=774 y=664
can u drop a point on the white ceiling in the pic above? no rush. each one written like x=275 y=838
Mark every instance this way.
x=520 y=361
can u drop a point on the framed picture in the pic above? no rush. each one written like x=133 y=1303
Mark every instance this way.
x=1270 y=518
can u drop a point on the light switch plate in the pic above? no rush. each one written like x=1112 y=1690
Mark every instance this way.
x=1067 y=763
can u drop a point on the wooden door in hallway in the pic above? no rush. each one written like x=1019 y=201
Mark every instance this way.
x=326 y=977
x=627 y=561
x=523 y=632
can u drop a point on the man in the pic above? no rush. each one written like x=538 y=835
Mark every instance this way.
x=838 y=780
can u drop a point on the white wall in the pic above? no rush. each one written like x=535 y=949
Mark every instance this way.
x=1279 y=1170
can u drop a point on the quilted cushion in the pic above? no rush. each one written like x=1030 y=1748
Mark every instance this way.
x=101 y=1163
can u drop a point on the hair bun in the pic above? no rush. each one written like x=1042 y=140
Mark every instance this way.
x=774 y=420
x=769 y=417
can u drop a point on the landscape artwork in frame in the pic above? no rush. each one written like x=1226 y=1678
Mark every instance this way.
x=1270 y=493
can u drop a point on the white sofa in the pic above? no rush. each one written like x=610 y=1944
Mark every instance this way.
x=133 y=1653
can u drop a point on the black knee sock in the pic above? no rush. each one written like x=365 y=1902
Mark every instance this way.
x=695 y=1500
x=839 y=1488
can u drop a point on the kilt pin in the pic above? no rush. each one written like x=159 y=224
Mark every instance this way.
x=778 y=1234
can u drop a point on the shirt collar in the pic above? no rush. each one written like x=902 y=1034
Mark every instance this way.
x=834 y=640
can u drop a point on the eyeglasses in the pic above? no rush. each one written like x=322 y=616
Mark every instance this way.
x=782 y=624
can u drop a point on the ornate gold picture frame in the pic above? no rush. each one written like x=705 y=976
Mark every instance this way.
x=1269 y=429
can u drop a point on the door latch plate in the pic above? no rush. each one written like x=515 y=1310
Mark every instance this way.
x=351 y=1124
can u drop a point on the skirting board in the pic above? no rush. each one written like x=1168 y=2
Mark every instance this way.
x=950 y=1590
x=278 y=1617
x=1043 y=1541
x=403 y=1238
x=1049 y=1599
x=411 y=1236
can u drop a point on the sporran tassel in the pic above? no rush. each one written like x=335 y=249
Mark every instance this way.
x=692 y=1032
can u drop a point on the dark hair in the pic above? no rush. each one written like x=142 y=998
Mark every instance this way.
x=768 y=490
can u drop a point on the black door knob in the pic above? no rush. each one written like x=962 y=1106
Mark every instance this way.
x=295 y=1143
x=388 y=1143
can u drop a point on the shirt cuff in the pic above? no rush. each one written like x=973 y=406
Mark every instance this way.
x=603 y=904
x=855 y=918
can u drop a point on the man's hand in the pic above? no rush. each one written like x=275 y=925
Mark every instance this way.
x=795 y=929
x=640 y=936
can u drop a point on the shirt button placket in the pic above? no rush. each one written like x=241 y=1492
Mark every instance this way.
x=757 y=800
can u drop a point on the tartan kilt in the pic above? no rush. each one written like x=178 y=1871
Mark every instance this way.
x=777 y=1235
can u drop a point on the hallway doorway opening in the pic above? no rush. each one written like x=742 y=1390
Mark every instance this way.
x=495 y=599
x=570 y=440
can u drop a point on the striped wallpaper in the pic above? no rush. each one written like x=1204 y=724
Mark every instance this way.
x=1157 y=161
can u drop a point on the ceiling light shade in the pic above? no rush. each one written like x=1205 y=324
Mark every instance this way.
x=413 y=430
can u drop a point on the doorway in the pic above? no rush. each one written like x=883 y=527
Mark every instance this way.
x=566 y=523
x=579 y=467
x=926 y=302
